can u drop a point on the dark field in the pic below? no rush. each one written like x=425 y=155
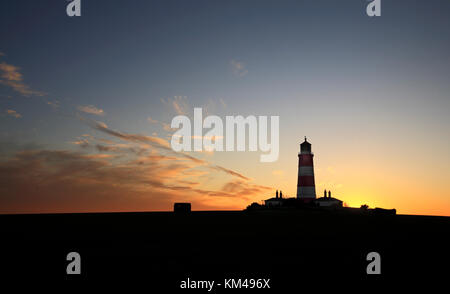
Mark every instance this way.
x=162 y=248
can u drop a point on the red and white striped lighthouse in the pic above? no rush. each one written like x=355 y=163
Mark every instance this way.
x=306 y=188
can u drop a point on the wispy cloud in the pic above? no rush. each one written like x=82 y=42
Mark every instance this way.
x=243 y=188
x=91 y=109
x=151 y=120
x=160 y=144
x=56 y=180
x=178 y=104
x=154 y=141
x=166 y=127
x=82 y=142
x=52 y=181
x=239 y=68
x=54 y=104
x=13 y=113
x=127 y=172
x=229 y=171
x=10 y=76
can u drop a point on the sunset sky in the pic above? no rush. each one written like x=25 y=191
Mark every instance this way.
x=86 y=102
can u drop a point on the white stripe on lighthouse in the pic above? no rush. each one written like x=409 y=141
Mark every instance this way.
x=306 y=192
x=306 y=171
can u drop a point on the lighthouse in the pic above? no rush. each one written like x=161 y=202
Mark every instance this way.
x=306 y=188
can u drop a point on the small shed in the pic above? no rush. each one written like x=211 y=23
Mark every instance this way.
x=182 y=207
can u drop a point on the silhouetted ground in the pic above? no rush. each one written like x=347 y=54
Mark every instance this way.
x=291 y=248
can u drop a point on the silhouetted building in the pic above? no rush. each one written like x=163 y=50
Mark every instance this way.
x=328 y=201
x=306 y=188
x=274 y=201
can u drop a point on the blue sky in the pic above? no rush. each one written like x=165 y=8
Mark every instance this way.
x=355 y=85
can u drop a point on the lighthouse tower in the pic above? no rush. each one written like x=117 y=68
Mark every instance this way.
x=306 y=188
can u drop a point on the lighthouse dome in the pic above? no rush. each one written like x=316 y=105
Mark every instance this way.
x=305 y=146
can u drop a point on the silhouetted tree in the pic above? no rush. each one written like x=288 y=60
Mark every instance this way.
x=254 y=206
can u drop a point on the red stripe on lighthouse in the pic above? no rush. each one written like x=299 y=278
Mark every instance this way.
x=306 y=181
x=305 y=160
